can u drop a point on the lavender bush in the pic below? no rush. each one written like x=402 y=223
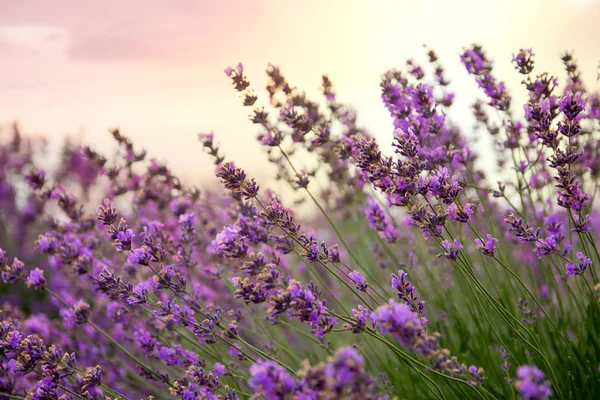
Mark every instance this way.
x=420 y=277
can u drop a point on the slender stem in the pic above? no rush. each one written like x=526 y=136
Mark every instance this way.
x=127 y=352
x=10 y=396
x=72 y=393
x=295 y=239
x=330 y=222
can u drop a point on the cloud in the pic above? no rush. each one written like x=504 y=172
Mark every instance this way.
x=20 y=40
x=110 y=48
x=136 y=31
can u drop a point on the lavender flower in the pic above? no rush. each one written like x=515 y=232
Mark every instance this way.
x=452 y=249
x=524 y=61
x=11 y=273
x=271 y=380
x=205 y=293
x=36 y=279
x=583 y=263
x=36 y=178
x=230 y=243
x=455 y=213
x=239 y=81
x=360 y=282
x=401 y=321
x=406 y=292
x=547 y=246
x=343 y=376
x=531 y=384
x=476 y=63
x=504 y=355
x=379 y=220
x=139 y=256
x=488 y=247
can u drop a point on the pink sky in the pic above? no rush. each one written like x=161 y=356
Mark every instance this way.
x=154 y=69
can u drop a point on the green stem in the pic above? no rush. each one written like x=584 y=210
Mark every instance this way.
x=126 y=352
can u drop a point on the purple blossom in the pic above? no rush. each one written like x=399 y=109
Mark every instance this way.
x=452 y=249
x=45 y=388
x=235 y=352
x=271 y=137
x=583 y=263
x=187 y=221
x=271 y=380
x=360 y=282
x=477 y=64
x=531 y=384
x=81 y=310
x=239 y=81
x=361 y=316
x=582 y=225
x=379 y=220
x=139 y=256
x=107 y=213
x=346 y=366
x=145 y=340
x=344 y=375
x=234 y=178
x=36 y=178
x=302 y=179
x=572 y=106
x=524 y=61
x=399 y=320
x=219 y=369
x=406 y=292
x=505 y=355
x=124 y=239
x=11 y=273
x=488 y=247
x=230 y=243
x=68 y=317
x=524 y=233
x=3 y=258
x=529 y=317
x=547 y=246
x=36 y=279
x=456 y=213
x=221 y=261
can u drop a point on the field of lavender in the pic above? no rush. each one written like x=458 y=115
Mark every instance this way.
x=417 y=276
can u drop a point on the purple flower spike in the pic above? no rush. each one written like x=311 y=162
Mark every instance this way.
x=583 y=263
x=452 y=249
x=139 y=256
x=238 y=80
x=531 y=384
x=488 y=247
x=360 y=282
x=524 y=61
x=406 y=292
x=271 y=380
x=36 y=279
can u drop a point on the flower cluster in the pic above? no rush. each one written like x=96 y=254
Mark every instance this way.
x=343 y=376
x=163 y=290
x=531 y=384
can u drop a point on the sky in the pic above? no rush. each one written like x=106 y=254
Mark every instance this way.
x=155 y=69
